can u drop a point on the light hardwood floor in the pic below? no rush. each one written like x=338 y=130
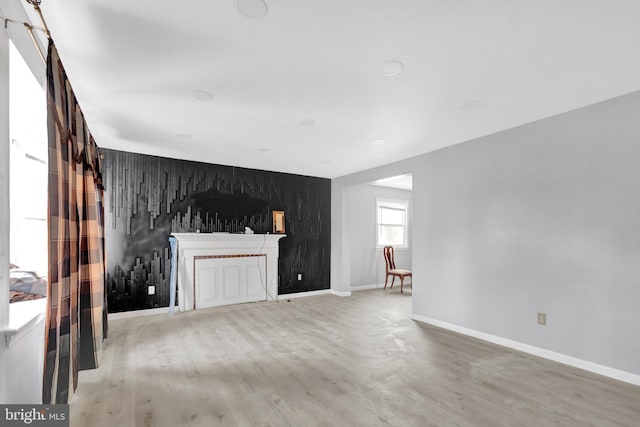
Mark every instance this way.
x=331 y=361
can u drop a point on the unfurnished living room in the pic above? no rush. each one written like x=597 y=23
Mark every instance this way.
x=319 y=213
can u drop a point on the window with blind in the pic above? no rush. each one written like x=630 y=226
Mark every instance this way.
x=28 y=175
x=391 y=223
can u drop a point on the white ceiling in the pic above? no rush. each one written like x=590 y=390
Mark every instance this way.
x=472 y=68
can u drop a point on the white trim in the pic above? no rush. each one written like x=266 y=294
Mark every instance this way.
x=340 y=293
x=191 y=246
x=139 y=313
x=596 y=368
x=303 y=294
x=366 y=287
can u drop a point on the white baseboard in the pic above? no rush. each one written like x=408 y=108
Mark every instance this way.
x=313 y=293
x=304 y=294
x=606 y=371
x=365 y=287
x=340 y=293
x=138 y=313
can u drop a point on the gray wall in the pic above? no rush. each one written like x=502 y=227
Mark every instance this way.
x=544 y=217
x=367 y=262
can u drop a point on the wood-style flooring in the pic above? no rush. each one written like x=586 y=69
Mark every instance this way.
x=331 y=361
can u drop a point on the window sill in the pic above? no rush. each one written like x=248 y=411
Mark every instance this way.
x=23 y=317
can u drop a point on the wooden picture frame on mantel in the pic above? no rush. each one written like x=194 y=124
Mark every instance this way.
x=278 y=222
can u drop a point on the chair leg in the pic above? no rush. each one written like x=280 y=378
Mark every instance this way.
x=401 y=283
x=393 y=279
x=386 y=278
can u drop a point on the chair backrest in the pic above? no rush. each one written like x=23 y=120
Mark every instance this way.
x=389 y=262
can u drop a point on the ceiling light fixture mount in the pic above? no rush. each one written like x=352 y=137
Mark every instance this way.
x=391 y=68
x=475 y=104
x=202 y=95
x=252 y=9
x=379 y=141
x=307 y=123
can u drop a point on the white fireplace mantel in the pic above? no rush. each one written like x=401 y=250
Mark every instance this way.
x=202 y=246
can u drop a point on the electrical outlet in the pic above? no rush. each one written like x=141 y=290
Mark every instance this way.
x=151 y=290
x=542 y=319
x=299 y=276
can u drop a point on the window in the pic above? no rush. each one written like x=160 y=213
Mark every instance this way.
x=392 y=223
x=27 y=183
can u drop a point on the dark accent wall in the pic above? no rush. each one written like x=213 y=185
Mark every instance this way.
x=148 y=197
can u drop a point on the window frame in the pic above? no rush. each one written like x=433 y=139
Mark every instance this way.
x=401 y=204
x=20 y=316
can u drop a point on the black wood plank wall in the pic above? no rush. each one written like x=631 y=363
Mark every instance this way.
x=148 y=197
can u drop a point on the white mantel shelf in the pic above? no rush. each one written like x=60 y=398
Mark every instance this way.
x=223 y=239
x=195 y=246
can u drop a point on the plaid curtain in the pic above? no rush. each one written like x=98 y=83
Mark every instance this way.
x=76 y=311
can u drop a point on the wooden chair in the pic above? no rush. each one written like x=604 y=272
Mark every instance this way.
x=391 y=270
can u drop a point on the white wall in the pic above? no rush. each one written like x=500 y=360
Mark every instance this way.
x=4 y=201
x=24 y=353
x=367 y=262
x=541 y=218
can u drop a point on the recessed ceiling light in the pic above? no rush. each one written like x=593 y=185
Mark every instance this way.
x=325 y=162
x=202 y=95
x=472 y=105
x=379 y=141
x=253 y=9
x=307 y=122
x=391 y=68
x=264 y=150
x=184 y=135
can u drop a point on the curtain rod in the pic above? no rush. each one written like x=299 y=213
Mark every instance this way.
x=36 y=6
x=30 y=29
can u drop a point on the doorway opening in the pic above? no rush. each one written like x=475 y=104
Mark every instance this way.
x=379 y=214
